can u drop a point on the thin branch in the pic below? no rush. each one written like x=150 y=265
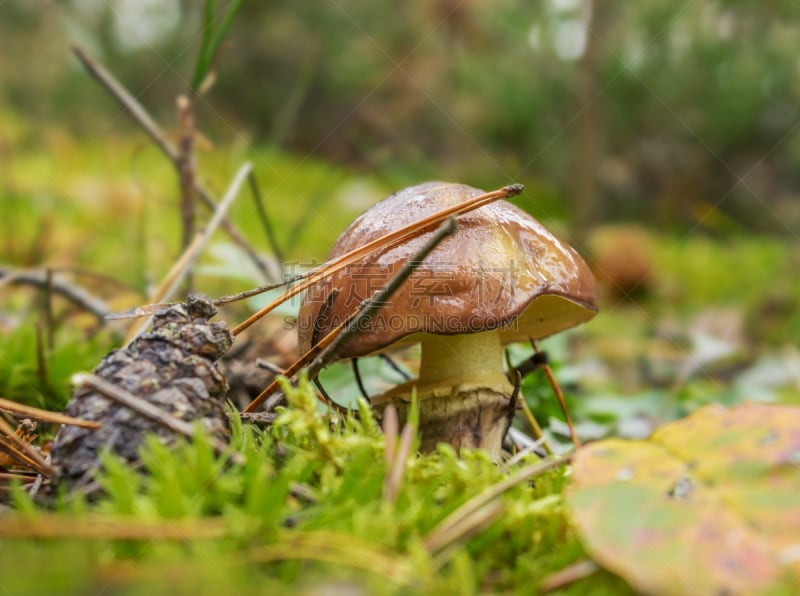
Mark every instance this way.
x=143 y=408
x=256 y=291
x=127 y=101
x=270 y=366
x=60 y=286
x=135 y=109
x=513 y=401
x=526 y=445
x=532 y=364
x=149 y=309
x=322 y=392
x=42 y=371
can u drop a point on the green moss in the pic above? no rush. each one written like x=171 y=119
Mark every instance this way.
x=305 y=508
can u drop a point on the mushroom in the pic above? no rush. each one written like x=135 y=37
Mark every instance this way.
x=502 y=277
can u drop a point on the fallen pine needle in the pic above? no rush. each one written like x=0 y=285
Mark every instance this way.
x=46 y=415
x=26 y=449
x=48 y=525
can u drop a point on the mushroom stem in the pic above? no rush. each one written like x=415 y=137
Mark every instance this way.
x=457 y=360
x=464 y=395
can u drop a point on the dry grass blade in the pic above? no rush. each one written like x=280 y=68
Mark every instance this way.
x=145 y=409
x=386 y=241
x=181 y=268
x=390 y=430
x=570 y=574
x=45 y=525
x=394 y=477
x=45 y=415
x=449 y=526
x=16 y=445
x=479 y=520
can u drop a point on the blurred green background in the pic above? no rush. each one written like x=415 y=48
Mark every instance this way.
x=680 y=113
x=661 y=138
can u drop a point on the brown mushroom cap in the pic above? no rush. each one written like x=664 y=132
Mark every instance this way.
x=500 y=270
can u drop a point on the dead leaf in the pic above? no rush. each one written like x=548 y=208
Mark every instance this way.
x=709 y=505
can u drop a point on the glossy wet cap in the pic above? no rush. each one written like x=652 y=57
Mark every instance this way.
x=500 y=270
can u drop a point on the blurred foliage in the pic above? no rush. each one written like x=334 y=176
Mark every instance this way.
x=689 y=109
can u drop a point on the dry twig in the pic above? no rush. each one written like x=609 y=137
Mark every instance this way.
x=60 y=286
x=135 y=109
